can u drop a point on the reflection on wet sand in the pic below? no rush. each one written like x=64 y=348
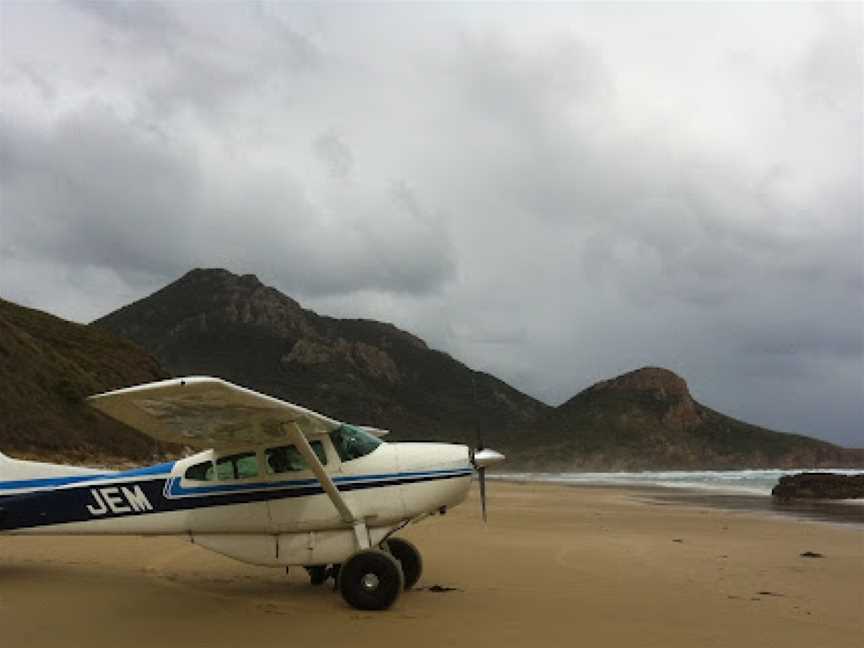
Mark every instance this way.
x=837 y=512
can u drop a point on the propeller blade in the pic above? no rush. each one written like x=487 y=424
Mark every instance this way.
x=480 y=459
x=482 y=472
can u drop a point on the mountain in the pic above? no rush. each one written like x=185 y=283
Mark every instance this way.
x=218 y=323
x=648 y=419
x=47 y=366
x=368 y=372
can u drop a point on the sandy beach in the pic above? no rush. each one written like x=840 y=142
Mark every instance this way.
x=555 y=566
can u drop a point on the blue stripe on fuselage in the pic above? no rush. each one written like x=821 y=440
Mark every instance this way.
x=53 y=482
x=174 y=487
x=63 y=505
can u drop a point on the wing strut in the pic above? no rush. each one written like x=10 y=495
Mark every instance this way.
x=299 y=439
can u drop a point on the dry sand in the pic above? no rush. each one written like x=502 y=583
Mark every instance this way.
x=555 y=566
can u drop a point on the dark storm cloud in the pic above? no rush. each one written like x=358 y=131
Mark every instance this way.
x=98 y=189
x=658 y=253
x=554 y=194
x=94 y=189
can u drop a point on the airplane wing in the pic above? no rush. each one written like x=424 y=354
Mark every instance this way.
x=212 y=413
x=206 y=412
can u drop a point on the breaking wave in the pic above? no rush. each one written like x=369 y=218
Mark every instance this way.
x=749 y=482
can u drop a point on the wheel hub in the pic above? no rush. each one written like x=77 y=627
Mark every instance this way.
x=370 y=582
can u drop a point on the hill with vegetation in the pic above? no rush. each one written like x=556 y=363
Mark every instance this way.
x=647 y=419
x=218 y=323
x=47 y=367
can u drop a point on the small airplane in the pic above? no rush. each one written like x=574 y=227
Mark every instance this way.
x=276 y=484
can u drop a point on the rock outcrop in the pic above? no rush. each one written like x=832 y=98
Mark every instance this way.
x=821 y=485
x=660 y=385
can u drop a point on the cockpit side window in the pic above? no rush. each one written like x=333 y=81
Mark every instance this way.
x=239 y=466
x=352 y=443
x=203 y=471
x=225 y=469
x=288 y=458
x=246 y=465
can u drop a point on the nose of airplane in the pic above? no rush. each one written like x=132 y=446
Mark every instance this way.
x=432 y=456
x=483 y=458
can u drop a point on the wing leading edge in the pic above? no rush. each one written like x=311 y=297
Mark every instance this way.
x=207 y=412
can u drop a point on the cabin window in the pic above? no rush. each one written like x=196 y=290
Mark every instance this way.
x=201 y=472
x=246 y=465
x=352 y=443
x=288 y=458
x=239 y=466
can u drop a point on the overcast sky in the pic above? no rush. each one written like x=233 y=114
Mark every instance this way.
x=555 y=194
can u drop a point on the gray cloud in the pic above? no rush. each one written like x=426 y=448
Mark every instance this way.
x=548 y=205
x=334 y=154
x=147 y=23
x=105 y=192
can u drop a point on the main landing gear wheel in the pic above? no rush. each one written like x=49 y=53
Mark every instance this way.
x=371 y=580
x=409 y=558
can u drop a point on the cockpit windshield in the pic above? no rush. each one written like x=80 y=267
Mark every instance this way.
x=351 y=442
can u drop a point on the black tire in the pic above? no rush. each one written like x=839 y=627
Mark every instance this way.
x=371 y=580
x=409 y=558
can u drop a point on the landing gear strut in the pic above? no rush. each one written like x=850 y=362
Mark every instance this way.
x=318 y=574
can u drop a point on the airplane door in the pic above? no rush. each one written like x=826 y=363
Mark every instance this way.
x=301 y=504
x=222 y=496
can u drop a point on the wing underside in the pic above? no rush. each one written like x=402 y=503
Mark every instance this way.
x=206 y=412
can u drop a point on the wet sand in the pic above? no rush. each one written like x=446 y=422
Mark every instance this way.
x=556 y=566
x=831 y=511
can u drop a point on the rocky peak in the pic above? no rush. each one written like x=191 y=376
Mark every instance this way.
x=210 y=275
x=662 y=383
x=223 y=282
x=218 y=294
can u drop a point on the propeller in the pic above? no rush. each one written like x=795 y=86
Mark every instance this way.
x=481 y=471
x=480 y=459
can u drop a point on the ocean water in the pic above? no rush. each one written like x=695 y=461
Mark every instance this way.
x=747 y=490
x=737 y=482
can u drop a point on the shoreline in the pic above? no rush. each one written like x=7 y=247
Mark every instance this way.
x=848 y=513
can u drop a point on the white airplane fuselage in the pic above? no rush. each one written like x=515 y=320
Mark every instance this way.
x=269 y=518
